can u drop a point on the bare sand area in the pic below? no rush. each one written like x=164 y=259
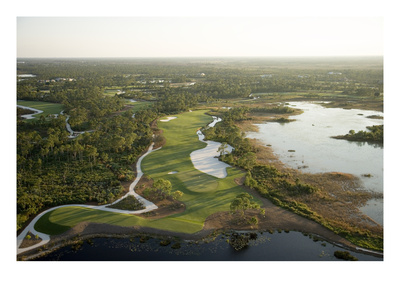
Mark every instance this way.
x=206 y=159
x=168 y=119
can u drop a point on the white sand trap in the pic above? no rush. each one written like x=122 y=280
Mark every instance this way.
x=172 y=172
x=168 y=119
x=206 y=159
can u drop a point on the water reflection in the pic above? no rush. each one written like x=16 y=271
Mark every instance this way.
x=261 y=246
x=313 y=149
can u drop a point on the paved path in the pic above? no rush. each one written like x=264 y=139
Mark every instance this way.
x=46 y=238
x=149 y=206
x=30 y=116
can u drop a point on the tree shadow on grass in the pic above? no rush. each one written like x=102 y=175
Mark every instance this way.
x=46 y=226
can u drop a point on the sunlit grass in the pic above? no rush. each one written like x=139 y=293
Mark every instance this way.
x=203 y=196
x=47 y=107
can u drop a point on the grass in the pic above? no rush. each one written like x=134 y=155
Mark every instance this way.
x=138 y=105
x=47 y=107
x=111 y=92
x=203 y=194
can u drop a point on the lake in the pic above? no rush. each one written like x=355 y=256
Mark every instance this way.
x=284 y=246
x=306 y=144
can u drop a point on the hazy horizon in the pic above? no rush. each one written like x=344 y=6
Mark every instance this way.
x=195 y=37
x=210 y=57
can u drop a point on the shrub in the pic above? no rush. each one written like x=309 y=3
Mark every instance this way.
x=144 y=239
x=129 y=203
x=253 y=221
x=239 y=241
x=176 y=246
x=345 y=255
x=165 y=243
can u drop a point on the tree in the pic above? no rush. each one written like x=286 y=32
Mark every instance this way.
x=222 y=148
x=161 y=189
x=241 y=203
x=248 y=161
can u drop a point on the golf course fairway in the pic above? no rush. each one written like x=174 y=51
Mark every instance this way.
x=203 y=194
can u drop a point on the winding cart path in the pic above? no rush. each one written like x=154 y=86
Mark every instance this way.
x=149 y=206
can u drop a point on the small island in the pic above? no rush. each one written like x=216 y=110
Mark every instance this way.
x=374 y=135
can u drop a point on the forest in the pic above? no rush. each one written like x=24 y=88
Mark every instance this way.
x=95 y=167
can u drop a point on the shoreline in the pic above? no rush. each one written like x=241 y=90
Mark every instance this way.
x=86 y=230
x=278 y=219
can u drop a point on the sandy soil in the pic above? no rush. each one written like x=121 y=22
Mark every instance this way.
x=30 y=242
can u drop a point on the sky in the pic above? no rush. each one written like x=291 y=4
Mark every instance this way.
x=183 y=36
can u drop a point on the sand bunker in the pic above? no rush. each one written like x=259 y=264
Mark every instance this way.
x=168 y=119
x=206 y=159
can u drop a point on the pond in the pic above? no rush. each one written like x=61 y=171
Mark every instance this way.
x=265 y=246
x=306 y=144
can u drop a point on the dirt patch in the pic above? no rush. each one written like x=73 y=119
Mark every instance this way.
x=125 y=186
x=30 y=240
x=240 y=181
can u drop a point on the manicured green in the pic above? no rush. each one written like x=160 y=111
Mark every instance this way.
x=203 y=194
x=138 y=105
x=47 y=107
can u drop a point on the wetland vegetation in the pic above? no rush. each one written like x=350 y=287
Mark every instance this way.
x=374 y=134
x=97 y=166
